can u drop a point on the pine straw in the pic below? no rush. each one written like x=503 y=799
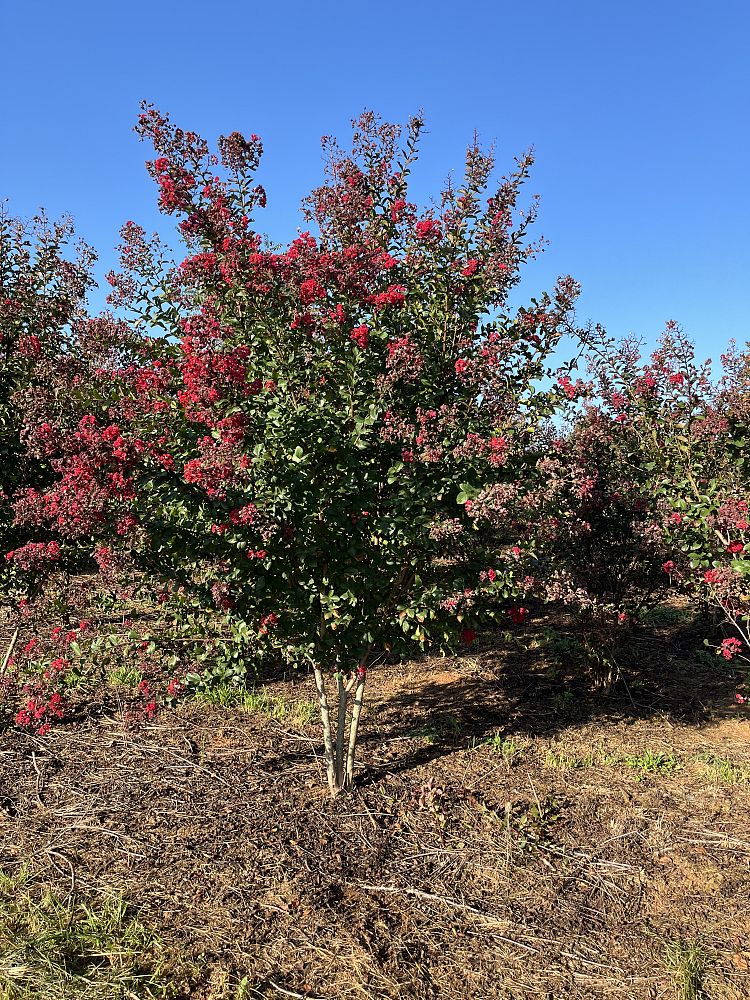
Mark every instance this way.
x=449 y=873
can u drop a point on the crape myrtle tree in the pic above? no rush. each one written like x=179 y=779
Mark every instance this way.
x=43 y=286
x=600 y=518
x=684 y=427
x=302 y=435
x=598 y=541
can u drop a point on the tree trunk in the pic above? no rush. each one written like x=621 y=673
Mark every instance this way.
x=340 y=769
x=325 y=718
x=359 y=695
x=340 y=727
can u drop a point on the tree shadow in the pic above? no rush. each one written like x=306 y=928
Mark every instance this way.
x=508 y=693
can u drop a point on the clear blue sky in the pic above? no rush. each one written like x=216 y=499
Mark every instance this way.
x=638 y=112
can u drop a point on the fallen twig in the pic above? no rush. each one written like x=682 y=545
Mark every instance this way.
x=9 y=652
x=432 y=897
x=291 y=993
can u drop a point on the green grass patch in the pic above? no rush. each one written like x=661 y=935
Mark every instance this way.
x=124 y=676
x=67 y=948
x=441 y=729
x=224 y=695
x=571 y=760
x=648 y=764
x=687 y=963
x=724 y=771
x=644 y=764
x=665 y=616
x=565 y=761
x=509 y=749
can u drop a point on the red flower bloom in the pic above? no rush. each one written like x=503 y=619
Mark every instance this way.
x=392 y=296
x=468 y=636
x=29 y=347
x=730 y=648
x=34 y=555
x=397 y=208
x=498 y=447
x=311 y=291
x=175 y=688
x=567 y=386
x=360 y=336
x=427 y=228
x=267 y=622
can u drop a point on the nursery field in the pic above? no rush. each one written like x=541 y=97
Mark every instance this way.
x=513 y=833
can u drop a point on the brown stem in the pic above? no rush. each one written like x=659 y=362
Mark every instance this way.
x=325 y=718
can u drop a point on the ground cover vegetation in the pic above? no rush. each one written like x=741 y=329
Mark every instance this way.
x=272 y=471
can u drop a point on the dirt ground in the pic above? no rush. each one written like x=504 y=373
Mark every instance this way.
x=512 y=835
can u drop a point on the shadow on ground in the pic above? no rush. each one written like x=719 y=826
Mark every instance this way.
x=507 y=693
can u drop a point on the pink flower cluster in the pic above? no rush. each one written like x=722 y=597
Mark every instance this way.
x=730 y=648
x=34 y=555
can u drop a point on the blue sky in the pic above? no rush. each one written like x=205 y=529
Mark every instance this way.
x=637 y=112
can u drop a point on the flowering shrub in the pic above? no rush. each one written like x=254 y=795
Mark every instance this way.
x=53 y=675
x=684 y=432
x=592 y=525
x=583 y=529
x=36 y=682
x=598 y=541
x=41 y=298
x=294 y=440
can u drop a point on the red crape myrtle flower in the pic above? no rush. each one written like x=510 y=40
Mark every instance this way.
x=360 y=336
x=730 y=648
